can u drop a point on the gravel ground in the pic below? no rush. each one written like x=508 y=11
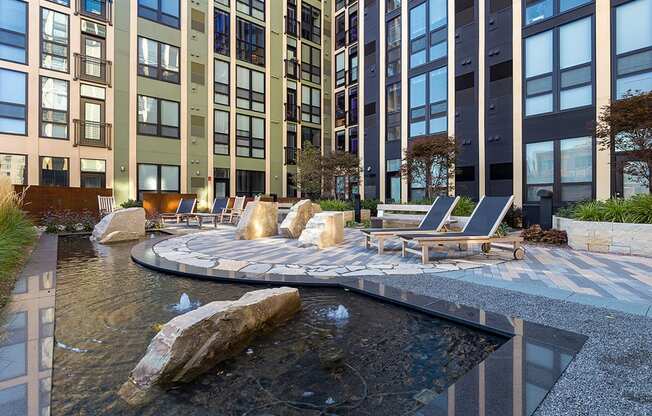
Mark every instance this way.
x=612 y=374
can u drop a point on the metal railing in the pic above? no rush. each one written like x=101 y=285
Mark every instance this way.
x=292 y=26
x=290 y=155
x=89 y=68
x=92 y=133
x=292 y=68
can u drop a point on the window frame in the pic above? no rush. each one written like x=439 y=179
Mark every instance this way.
x=247 y=51
x=249 y=94
x=91 y=174
x=428 y=107
x=250 y=5
x=309 y=67
x=250 y=192
x=40 y=169
x=159 y=125
x=158 y=179
x=309 y=108
x=41 y=108
x=228 y=133
x=42 y=42
x=220 y=85
x=616 y=57
x=310 y=31
x=24 y=35
x=175 y=20
x=159 y=68
x=221 y=40
x=555 y=11
x=250 y=138
x=25 y=106
x=26 y=169
x=431 y=38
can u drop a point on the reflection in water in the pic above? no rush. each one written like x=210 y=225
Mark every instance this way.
x=376 y=364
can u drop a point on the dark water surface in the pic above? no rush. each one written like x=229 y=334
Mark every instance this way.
x=376 y=361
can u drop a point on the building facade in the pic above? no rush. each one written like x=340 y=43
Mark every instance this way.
x=218 y=97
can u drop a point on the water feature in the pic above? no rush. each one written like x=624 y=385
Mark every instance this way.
x=342 y=354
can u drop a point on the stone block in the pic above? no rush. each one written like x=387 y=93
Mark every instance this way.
x=257 y=221
x=121 y=225
x=193 y=343
x=324 y=229
x=296 y=220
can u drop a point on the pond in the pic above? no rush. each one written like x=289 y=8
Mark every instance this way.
x=343 y=353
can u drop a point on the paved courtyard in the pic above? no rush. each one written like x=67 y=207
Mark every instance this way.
x=614 y=281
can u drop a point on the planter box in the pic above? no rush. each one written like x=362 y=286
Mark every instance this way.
x=607 y=237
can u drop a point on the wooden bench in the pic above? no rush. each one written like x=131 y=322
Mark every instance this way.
x=408 y=214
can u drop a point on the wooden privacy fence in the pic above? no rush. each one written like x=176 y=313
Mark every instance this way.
x=39 y=200
x=155 y=203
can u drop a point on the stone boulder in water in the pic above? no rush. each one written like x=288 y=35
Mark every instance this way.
x=121 y=225
x=193 y=343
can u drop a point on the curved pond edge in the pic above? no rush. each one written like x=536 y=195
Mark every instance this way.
x=534 y=354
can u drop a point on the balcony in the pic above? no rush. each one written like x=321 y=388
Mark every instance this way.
x=292 y=68
x=292 y=26
x=96 y=9
x=92 y=133
x=290 y=155
x=89 y=68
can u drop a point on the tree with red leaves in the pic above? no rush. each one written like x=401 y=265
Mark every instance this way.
x=430 y=160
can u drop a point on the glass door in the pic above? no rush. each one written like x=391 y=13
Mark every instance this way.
x=92 y=124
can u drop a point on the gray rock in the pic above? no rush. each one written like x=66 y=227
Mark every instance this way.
x=195 y=342
x=121 y=225
x=258 y=221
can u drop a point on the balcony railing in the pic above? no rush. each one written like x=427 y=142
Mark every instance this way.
x=292 y=68
x=96 y=9
x=92 y=133
x=292 y=112
x=292 y=26
x=89 y=68
x=290 y=155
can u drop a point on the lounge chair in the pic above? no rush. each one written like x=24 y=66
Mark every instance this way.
x=434 y=220
x=185 y=208
x=234 y=213
x=106 y=204
x=215 y=214
x=480 y=229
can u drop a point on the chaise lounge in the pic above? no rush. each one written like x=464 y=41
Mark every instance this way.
x=434 y=220
x=481 y=228
x=185 y=208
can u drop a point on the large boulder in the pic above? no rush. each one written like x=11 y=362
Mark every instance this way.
x=324 y=229
x=121 y=225
x=258 y=220
x=193 y=343
x=295 y=221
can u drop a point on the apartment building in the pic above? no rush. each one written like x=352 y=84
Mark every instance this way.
x=217 y=97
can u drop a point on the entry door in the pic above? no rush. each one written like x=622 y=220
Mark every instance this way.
x=395 y=189
x=221 y=188
x=92 y=62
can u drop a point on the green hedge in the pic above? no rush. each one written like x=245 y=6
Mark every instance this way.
x=335 y=205
x=637 y=209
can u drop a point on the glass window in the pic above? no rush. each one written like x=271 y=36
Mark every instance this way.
x=394 y=33
x=575 y=56
x=250 y=136
x=222 y=24
x=254 y=8
x=221 y=71
x=250 y=42
x=310 y=136
x=538 y=54
x=54 y=108
x=576 y=169
x=93 y=173
x=54 y=171
x=310 y=23
x=394 y=97
x=353 y=64
x=635 y=184
x=310 y=63
x=221 y=132
x=571 y=4
x=340 y=31
x=15 y=167
x=540 y=168
x=250 y=183
x=158 y=60
x=418 y=38
x=161 y=11
x=353 y=25
x=13 y=102
x=157 y=178
x=158 y=117
x=310 y=104
x=538 y=11
x=438 y=14
x=54 y=40
x=633 y=47
x=417 y=105
x=13 y=31
x=340 y=69
x=250 y=89
x=169 y=178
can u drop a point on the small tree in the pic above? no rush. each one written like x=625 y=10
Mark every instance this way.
x=626 y=125
x=309 y=170
x=430 y=160
x=341 y=164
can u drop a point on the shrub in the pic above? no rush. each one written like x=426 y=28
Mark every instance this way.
x=131 y=203
x=464 y=207
x=57 y=221
x=335 y=205
x=637 y=209
x=514 y=217
x=17 y=233
x=371 y=205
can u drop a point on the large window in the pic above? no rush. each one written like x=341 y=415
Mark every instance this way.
x=13 y=31
x=93 y=173
x=569 y=176
x=161 y=11
x=221 y=132
x=392 y=5
x=393 y=108
x=249 y=182
x=428 y=103
x=158 y=117
x=353 y=25
x=254 y=8
x=310 y=63
x=15 y=167
x=538 y=11
x=250 y=89
x=158 y=178
x=340 y=109
x=310 y=23
x=394 y=47
x=158 y=60
x=569 y=85
x=310 y=137
x=340 y=69
x=54 y=40
x=222 y=24
x=353 y=64
x=353 y=106
x=250 y=136
x=54 y=108
x=54 y=171
x=13 y=102
x=221 y=70
x=633 y=47
x=310 y=104
x=251 y=42
x=340 y=31
x=428 y=34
